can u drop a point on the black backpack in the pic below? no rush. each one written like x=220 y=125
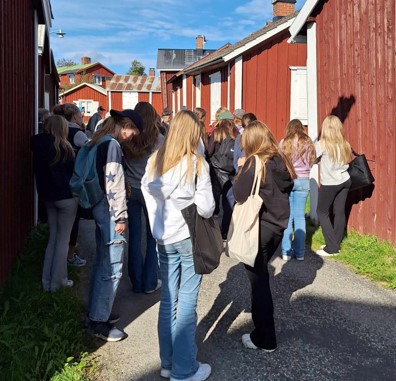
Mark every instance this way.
x=224 y=157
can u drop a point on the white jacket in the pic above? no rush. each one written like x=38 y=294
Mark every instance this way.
x=167 y=195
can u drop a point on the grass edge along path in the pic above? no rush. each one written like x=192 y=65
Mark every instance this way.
x=41 y=335
x=365 y=255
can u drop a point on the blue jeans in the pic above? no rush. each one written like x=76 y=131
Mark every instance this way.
x=107 y=267
x=177 y=322
x=297 y=198
x=142 y=269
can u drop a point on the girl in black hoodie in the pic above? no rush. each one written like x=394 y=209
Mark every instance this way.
x=53 y=161
x=277 y=183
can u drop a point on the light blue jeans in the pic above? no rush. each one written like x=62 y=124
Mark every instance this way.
x=297 y=198
x=177 y=322
x=142 y=267
x=107 y=267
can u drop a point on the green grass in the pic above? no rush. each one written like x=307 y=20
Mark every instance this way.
x=41 y=335
x=364 y=254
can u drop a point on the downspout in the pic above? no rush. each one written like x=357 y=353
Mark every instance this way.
x=36 y=96
x=312 y=93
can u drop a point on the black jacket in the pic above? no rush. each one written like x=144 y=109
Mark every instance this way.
x=52 y=180
x=274 y=192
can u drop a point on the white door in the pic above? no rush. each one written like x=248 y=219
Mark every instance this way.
x=215 y=94
x=298 y=94
x=129 y=99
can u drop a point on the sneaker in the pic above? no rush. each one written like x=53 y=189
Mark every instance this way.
x=165 y=373
x=157 y=287
x=113 y=319
x=76 y=261
x=248 y=343
x=106 y=332
x=201 y=374
x=69 y=283
x=324 y=253
x=286 y=257
x=301 y=258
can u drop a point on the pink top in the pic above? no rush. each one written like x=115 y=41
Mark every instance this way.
x=301 y=164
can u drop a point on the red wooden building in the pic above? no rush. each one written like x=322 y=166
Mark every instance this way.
x=351 y=73
x=28 y=80
x=261 y=73
x=124 y=91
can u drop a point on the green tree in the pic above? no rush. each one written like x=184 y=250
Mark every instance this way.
x=65 y=62
x=136 y=68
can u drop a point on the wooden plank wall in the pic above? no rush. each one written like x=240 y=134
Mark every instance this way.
x=17 y=94
x=357 y=81
x=266 y=81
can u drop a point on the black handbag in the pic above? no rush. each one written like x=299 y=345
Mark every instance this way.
x=360 y=172
x=206 y=240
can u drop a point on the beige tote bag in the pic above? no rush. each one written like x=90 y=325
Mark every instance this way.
x=243 y=235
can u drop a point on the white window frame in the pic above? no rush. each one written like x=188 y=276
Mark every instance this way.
x=129 y=99
x=215 y=94
x=90 y=105
x=97 y=79
x=299 y=94
x=71 y=78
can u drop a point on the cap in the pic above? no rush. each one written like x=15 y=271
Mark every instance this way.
x=131 y=114
x=101 y=108
x=166 y=112
x=226 y=115
x=239 y=113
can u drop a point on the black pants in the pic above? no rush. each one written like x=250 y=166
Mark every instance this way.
x=221 y=191
x=263 y=335
x=333 y=195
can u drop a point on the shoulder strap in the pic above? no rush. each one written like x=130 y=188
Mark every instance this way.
x=257 y=176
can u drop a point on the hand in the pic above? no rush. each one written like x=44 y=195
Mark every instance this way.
x=241 y=161
x=120 y=228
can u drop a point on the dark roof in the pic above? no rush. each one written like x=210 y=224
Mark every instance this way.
x=227 y=49
x=178 y=59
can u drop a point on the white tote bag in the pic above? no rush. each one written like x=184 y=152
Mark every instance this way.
x=243 y=235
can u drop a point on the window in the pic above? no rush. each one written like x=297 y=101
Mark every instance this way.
x=215 y=94
x=71 y=77
x=129 y=99
x=298 y=94
x=90 y=106
x=97 y=79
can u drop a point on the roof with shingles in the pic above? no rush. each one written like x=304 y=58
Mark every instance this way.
x=141 y=83
x=228 y=48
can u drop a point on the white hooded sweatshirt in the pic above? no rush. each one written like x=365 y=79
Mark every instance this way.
x=168 y=194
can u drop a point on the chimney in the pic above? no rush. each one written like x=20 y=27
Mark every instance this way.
x=152 y=72
x=85 y=60
x=199 y=42
x=282 y=8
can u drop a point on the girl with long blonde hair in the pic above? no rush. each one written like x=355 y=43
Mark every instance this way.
x=300 y=150
x=335 y=153
x=142 y=266
x=276 y=184
x=177 y=176
x=53 y=161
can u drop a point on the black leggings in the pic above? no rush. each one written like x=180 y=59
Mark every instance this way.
x=263 y=335
x=333 y=195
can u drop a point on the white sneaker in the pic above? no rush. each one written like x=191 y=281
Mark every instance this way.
x=165 y=373
x=248 y=343
x=68 y=283
x=324 y=253
x=157 y=287
x=286 y=257
x=322 y=247
x=201 y=374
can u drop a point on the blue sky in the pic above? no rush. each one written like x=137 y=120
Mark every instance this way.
x=117 y=32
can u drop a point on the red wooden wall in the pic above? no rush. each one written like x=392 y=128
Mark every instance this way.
x=156 y=100
x=266 y=81
x=356 y=80
x=17 y=94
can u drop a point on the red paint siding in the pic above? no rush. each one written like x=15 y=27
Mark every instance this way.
x=144 y=97
x=356 y=79
x=189 y=85
x=17 y=94
x=224 y=85
x=205 y=95
x=116 y=100
x=266 y=81
x=156 y=101
x=232 y=86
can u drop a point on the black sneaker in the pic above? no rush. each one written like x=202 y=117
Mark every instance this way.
x=106 y=332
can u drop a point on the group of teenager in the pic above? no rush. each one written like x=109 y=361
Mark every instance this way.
x=154 y=170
